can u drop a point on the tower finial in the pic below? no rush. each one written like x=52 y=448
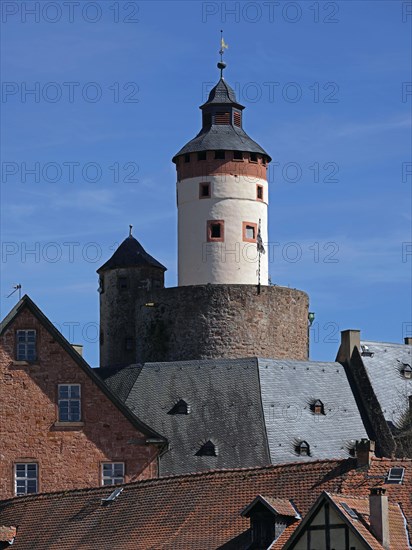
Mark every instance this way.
x=130 y=230
x=223 y=46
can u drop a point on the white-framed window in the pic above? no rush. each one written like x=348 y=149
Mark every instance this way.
x=26 y=345
x=112 y=473
x=69 y=403
x=26 y=478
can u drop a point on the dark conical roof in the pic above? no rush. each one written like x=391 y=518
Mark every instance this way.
x=226 y=136
x=130 y=254
x=222 y=93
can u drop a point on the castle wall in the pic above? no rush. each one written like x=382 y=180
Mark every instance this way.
x=211 y=321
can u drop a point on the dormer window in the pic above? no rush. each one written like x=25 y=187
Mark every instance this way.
x=220 y=155
x=181 y=407
x=26 y=345
x=303 y=449
x=317 y=407
x=365 y=351
x=406 y=371
x=207 y=449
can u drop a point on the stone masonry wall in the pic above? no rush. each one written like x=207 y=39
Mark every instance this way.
x=67 y=457
x=211 y=321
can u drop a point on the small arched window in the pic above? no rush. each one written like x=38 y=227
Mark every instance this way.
x=303 y=448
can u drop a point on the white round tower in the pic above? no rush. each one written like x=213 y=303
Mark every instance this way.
x=222 y=198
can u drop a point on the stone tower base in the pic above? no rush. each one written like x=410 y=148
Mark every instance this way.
x=211 y=321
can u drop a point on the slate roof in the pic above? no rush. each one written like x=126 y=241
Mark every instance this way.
x=254 y=410
x=390 y=387
x=27 y=302
x=397 y=528
x=189 y=512
x=130 y=254
x=225 y=137
x=288 y=389
x=222 y=137
x=222 y=93
x=224 y=403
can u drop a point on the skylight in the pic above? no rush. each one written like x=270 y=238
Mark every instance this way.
x=349 y=510
x=112 y=495
x=395 y=476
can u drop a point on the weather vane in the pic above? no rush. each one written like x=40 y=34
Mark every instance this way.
x=16 y=288
x=223 y=46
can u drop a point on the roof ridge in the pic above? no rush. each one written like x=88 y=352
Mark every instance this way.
x=167 y=479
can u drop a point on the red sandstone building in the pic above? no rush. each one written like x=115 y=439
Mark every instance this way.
x=61 y=427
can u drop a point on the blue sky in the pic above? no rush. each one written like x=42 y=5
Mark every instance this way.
x=117 y=89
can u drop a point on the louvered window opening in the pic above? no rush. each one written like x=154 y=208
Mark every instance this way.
x=222 y=118
x=237 y=118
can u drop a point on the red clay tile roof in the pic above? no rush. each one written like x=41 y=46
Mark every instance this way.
x=398 y=536
x=7 y=534
x=281 y=505
x=189 y=512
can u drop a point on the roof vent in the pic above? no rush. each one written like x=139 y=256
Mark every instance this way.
x=365 y=351
x=181 y=407
x=395 y=476
x=112 y=496
x=207 y=449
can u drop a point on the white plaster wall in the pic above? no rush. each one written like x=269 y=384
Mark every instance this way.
x=233 y=199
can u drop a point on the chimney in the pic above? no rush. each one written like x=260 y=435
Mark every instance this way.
x=365 y=450
x=78 y=348
x=348 y=340
x=379 y=515
x=408 y=340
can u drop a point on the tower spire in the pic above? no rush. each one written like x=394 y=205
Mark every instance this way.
x=223 y=46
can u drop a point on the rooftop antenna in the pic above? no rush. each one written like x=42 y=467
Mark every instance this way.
x=130 y=230
x=16 y=288
x=223 y=46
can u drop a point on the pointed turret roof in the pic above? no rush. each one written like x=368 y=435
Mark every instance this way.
x=130 y=254
x=222 y=93
x=221 y=136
